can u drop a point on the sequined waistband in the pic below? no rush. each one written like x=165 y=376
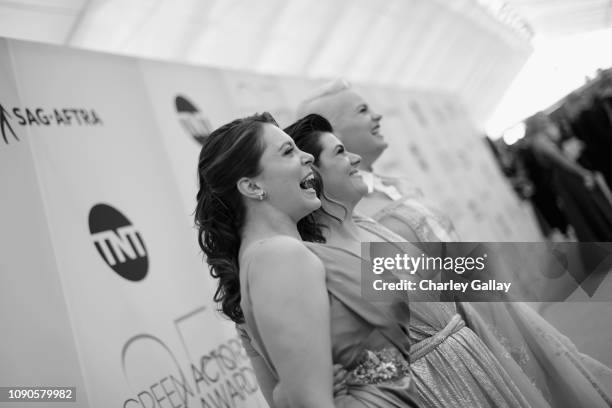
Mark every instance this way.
x=423 y=347
x=381 y=366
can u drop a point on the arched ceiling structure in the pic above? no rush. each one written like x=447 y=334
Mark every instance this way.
x=470 y=47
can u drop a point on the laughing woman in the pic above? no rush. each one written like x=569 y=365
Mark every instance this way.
x=451 y=367
x=255 y=185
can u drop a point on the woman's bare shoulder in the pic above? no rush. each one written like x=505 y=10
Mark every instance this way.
x=282 y=255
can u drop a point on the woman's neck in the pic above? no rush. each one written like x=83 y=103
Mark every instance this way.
x=262 y=223
x=368 y=159
x=339 y=221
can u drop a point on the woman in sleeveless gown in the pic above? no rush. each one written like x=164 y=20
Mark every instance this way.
x=452 y=365
x=528 y=347
x=366 y=338
x=302 y=315
x=519 y=338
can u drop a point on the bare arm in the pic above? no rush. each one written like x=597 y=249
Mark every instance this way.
x=265 y=378
x=291 y=308
x=266 y=381
x=546 y=147
x=272 y=390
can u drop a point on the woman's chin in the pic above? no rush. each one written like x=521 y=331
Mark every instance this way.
x=313 y=204
x=361 y=189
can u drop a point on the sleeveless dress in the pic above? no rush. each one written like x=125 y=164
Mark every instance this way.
x=407 y=212
x=366 y=338
x=416 y=217
x=538 y=358
x=507 y=356
x=451 y=366
x=545 y=366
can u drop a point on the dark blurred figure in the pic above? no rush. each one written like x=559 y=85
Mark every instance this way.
x=588 y=117
x=564 y=191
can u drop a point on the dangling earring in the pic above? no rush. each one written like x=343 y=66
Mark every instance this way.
x=262 y=195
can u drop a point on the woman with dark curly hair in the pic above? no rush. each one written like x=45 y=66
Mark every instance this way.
x=301 y=316
x=450 y=365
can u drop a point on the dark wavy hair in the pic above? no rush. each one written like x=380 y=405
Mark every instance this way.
x=306 y=134
x=229 y=153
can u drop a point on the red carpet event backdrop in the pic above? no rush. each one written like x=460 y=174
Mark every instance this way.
x=102 y=285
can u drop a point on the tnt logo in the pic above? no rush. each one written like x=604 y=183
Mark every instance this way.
x=118 y=242
x=192 y=120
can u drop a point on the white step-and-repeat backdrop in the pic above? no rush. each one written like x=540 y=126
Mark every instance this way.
x=102 y=285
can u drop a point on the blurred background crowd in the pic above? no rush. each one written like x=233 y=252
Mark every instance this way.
x=561 y=163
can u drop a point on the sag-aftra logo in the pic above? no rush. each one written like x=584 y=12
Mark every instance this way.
x=12 y=118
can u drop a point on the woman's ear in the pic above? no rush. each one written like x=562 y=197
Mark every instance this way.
x=250 y=189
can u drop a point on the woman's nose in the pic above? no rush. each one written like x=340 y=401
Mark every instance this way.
x=307 y=158
x=376 y=116
x=355 y=159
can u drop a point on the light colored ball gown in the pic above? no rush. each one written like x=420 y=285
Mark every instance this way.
x=540 y=360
